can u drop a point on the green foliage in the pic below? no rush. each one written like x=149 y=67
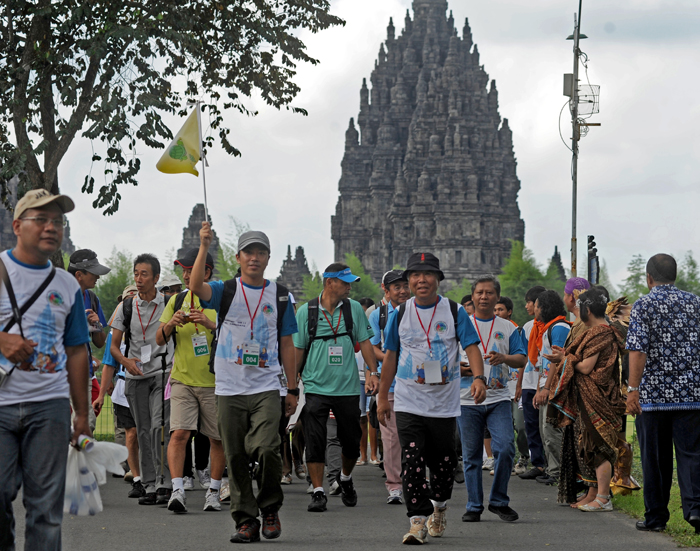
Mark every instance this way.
x=109 y=287
x=635 y=284
x=66 y=259
x=604 y=280
x=365 y=288
x=688 y=277
x=226 y=264
x=113 y=70
x=313 y=285
x=458 y=292
x=519 y=274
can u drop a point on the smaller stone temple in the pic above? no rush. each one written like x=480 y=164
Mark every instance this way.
x=190 y=234
x=293 y=271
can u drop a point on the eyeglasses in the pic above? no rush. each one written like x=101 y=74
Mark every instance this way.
x=42 y=221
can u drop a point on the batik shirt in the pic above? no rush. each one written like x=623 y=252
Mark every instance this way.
x=664 y=325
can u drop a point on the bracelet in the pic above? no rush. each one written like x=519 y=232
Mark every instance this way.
x=545 y=388
x=374 y=374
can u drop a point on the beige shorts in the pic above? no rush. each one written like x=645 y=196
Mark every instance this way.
x=192 y=408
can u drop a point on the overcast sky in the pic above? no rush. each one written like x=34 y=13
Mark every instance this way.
x=638 y=172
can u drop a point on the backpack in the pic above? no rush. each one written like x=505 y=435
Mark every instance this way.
x=383 y=320
x=454 y=308
x=230 y=286
x=312 y=326
x=128 y=311
x=549 y=331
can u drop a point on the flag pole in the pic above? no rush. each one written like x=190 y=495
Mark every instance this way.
x=204 y=160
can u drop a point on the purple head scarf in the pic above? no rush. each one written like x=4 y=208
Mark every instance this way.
x=576 y=283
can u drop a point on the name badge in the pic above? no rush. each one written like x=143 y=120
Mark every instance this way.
x=146 y=353
x=200 y=345
x=251 y=354
x=335 y=355
x=433 y=373
x=282 y=378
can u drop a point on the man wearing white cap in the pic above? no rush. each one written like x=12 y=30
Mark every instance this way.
x=43 y=360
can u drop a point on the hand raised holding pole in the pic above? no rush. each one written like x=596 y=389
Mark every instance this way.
x=205 y=234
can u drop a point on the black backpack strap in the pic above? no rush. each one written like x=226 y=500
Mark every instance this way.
x=94 y=301
x=454 y=308
x=383 y=318
x=127 y=311
x=282 y=303
x=179 y=300
x=230 y=286
x=17 y=312
x=549 y=331
x=349 y=322
x=312 y=322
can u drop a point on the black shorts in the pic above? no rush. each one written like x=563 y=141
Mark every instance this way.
x=315 y=417
x=124 y=418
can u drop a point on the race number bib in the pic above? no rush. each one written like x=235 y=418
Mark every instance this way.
x=335 y=355
x=200 y=345
x=251 y=354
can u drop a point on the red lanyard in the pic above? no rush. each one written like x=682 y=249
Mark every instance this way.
x=476 y=324
x=136 y=299
x=429 y=324
x=335 y=331
x=252 y=318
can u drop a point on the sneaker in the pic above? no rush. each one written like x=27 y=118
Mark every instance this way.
x=286 y=479
x=188 y=482
x=310 y=489
x=546 y=479
x=349 y=495
x=532 y=474
x=459 y=473
x=204 y=478
x=271 y=527
x=318 y=502
x=177 y=502
x=418 y=532
x=437 y=522
x=335 y=489
x=247 y=531
x=225 y=491
x=505 y=513
x=163 y=495
x=300 y=470
x=211 y=501
x=137 y=489
x=521 y=465
x=148 y=498
x=488 y=464
x=395 y=497
x=128 y=476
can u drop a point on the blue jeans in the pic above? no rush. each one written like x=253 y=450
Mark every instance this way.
x=34 y=439
x=499 y=420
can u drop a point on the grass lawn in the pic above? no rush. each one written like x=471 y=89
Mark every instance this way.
x=633 y=504
x=104 y=430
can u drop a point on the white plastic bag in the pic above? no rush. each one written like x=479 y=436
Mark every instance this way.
x=85 y=470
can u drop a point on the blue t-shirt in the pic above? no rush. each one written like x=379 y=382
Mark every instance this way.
x=559 y=333
x=377 y=338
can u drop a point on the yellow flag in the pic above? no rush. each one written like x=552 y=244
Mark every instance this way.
x=183 y=152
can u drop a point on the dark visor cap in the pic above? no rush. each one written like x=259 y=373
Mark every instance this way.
x=392 y=276
x=187 y=260
x=424 y=262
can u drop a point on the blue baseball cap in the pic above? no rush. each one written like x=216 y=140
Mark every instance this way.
x=344 y=275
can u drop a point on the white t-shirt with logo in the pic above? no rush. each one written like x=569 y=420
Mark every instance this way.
x=496 y=335
x=412 y=394
x=233 y=378
x=56 y=320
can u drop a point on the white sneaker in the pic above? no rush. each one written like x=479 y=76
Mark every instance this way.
x=286 y=479
x=211 y=501
x=395 y=497
x=204 y=478
x=310 y=489
x=225 y=491
x=418 y=532
x=489 y=463
x=335 y=489
x=188 y=482
x=521 y=465
x=493 y=472
x=177 y=502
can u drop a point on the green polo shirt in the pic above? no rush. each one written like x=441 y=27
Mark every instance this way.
x=319 y=376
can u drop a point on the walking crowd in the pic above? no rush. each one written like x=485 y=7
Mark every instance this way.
x=441 y=391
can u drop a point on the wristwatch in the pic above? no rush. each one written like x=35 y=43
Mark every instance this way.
x=293 y=392
x=481 y=378
x=632 y=389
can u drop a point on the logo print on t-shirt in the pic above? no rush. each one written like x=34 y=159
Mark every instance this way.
x=55 y=298
x=267 y=309
x=440 y=327
x=499 y=336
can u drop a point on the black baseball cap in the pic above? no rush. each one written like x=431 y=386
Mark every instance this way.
x=187 y=260
x=424 y=262
x=392 y=276
x=85 y=260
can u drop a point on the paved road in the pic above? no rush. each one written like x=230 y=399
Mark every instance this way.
x=124 y=525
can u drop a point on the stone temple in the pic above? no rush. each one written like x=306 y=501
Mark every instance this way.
x=432 y=166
